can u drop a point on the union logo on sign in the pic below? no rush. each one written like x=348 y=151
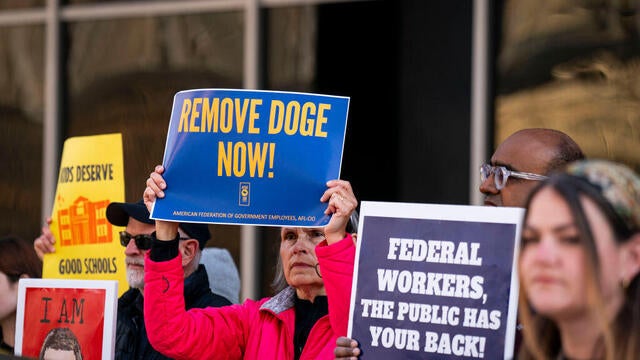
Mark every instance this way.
x=245 y=194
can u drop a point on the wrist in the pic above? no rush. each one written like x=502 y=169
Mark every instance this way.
x=166 y=230
x=166 y=236
x=334 y=237
x=163 y=250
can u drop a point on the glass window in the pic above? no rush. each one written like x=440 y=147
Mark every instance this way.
x=21 y=4
x=291 y=48
x=572 y=67
x=123 y=74
x=21 y=116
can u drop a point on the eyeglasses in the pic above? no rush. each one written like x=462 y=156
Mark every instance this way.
x=143 y=241
x=501 y=175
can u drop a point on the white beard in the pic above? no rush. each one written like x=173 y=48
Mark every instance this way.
x=135 y=278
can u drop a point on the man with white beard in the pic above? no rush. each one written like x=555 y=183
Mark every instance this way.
x=131 y=336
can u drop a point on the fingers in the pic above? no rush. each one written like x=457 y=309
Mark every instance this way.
x=165 y=230
x=155 y=186
x=346 y=342
x=342 y=187
x=341 y=204
x=346 y=348
x=340 y=197
x=149 y=197
x=338 y=201
x=39 y=248
x=43 y=244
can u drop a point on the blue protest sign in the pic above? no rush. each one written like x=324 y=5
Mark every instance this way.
x=435 y=281
x=251 y=157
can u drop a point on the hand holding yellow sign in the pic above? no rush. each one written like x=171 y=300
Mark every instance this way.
x=91 y=176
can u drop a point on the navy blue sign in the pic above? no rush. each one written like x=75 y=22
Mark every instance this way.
x=434 y=288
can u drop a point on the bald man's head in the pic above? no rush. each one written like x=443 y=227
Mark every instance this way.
x=538 y=151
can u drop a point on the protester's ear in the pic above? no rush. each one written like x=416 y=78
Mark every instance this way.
x=631 y=264
x=188 y=249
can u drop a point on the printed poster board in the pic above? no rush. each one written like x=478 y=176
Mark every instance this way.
x=87 y=245
x=435 y=281
x=79 y=315
x=251 y=157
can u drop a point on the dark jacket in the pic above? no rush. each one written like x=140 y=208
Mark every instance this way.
x=131 y=335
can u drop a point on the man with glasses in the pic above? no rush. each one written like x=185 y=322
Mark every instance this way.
x=519 y=162
x=131 y=336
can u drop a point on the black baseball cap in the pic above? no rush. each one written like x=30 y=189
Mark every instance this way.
x=118 y=214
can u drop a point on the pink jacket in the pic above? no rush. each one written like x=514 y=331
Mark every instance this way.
x=253 y=330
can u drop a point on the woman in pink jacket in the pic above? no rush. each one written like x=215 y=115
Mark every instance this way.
x=302 y=321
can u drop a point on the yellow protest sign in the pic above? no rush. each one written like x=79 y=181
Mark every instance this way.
x=87 y=246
